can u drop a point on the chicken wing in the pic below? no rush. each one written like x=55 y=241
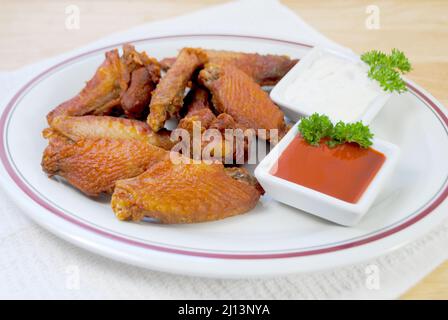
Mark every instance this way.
x=102 y=94
x=199 y=113
x=168 y=96
x=266 y=69
x=197 y=107
x=136 y=98
x=93 y=152
x=77 y=128
x=185 y=193
x=197 y=98
x=235 y=93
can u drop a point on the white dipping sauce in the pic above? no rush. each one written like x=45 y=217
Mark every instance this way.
x=332 y=85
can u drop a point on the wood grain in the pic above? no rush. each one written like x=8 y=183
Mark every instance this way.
x=32 y=30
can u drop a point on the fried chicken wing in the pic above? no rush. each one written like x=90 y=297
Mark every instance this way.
x=222 y=122
x=185 y=193
x=77 y=128
x=197 y=107
x=144 y=77
x=93 y=152
x=168 y=96
x=94 y=165
x=102 y=94
x=136 y=98
x=264 y=69
x=235 y=93
x=197 y=98
x=199 y=113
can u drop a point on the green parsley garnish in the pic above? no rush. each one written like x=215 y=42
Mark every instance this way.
x=351 y=132
x=316 y=127
x=387 y=69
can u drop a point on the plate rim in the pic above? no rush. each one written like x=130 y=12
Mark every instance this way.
x=430 y=101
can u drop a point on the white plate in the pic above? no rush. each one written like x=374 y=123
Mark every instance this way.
x=272 y=239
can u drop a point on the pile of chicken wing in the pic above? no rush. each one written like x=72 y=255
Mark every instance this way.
x=111 y=137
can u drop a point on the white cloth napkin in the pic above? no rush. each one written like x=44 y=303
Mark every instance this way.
x=36 y=264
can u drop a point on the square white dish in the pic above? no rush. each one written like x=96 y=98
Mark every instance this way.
x=318 y=203
x=296 y=109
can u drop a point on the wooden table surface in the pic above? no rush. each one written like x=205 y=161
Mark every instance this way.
x=32 y=30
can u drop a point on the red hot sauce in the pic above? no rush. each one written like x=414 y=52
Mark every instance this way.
x=343 y=172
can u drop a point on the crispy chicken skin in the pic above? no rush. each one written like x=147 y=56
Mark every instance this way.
x=242 y=175
x=197 y=98
x=102 y=94
x=94 y=165
x=203 y=117
x=93 y=152
x=197 y=107
x=222 y=122
x=184 y=193
x=77 y=128
x=266 y=69
x=136 y=98
x=167 y=98
x=199 y=113
x=237 y=94
x=144 y=77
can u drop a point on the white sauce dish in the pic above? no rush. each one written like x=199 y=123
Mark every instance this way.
x=330 y=83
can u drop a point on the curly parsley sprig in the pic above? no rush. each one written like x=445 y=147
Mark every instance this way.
x=387 y=69
x=316 y=127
